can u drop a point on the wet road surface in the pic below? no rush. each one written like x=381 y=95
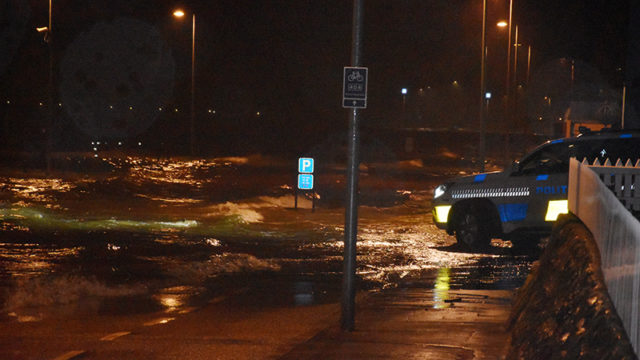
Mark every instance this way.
x=147 y=240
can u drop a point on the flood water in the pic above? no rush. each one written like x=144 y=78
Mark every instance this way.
x=138 y=234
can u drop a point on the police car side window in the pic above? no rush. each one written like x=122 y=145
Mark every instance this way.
x=588 y=149
x=621 y=148
x=548 y=160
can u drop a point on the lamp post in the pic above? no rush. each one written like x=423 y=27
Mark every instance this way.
x=48 y=36
x=404 y=107
x=192 y=130
x=482 y=83
x=507 y=89
x=516 y=45
x=509 y=23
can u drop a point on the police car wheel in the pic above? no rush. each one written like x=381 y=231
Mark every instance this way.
x=470 y=231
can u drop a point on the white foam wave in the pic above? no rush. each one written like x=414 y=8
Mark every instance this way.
x=243 y=211
x=220 y=264
x=249 y=211
x=46 y=291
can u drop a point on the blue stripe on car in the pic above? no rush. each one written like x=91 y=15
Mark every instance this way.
x=513 y=212
x=480 y=178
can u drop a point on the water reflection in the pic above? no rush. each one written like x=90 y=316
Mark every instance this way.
x=175 y=298
x=168 y=233
x=441 y=288
x=303 y=293
x=20 y=260
x=35 y=189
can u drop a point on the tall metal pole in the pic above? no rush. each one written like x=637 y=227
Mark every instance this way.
x=515 y=75
x=347 y=321
x=50 y=120
x=482 y=86
x=528 y=66
x=507 y=105
x=624 y=101
x=193 y=87
x=508 y=83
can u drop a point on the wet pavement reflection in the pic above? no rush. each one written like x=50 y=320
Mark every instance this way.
x=170 y=235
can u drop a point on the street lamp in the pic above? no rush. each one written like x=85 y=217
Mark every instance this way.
x=404 y=92
x=404 y=95
x=48 y=35
x=192 y=131
x=508 y=82
x=482 y=85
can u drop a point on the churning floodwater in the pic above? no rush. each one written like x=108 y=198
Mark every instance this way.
x=136 y=234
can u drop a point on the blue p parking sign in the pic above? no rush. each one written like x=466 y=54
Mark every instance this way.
x=305 y=176
x=305 y=165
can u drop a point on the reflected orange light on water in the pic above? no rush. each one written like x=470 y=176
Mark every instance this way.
x=35 y=189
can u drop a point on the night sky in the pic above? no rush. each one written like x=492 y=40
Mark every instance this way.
x=271 y=70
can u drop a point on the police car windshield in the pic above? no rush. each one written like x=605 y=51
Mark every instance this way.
x=554 y=157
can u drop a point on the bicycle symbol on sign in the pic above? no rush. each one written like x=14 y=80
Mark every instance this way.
x=355 y=76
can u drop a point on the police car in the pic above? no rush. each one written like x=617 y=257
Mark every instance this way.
x=521 y=204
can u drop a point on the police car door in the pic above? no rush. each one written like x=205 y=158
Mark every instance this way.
x=545 y=173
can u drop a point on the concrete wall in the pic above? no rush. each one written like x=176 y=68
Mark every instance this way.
x=617 y=234
x=564 y=310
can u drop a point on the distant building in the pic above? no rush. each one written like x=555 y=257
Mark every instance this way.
x=593 y=115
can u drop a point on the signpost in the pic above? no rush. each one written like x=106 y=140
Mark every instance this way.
x=305 y=176
x=354 y=88
x=354 y=97
x=305 y=179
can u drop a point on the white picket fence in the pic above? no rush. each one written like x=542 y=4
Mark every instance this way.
x=623 y=180
x=604 y=197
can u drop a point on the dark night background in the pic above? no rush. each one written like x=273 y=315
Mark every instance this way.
x=268 y=73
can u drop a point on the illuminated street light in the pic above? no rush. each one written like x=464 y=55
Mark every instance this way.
x=502 y=24
x=48 y=34
x=180 y=14
x=404 y=92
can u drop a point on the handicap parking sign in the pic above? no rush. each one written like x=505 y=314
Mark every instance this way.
x=305 y=181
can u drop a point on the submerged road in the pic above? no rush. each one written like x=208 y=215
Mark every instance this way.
x=122 y=262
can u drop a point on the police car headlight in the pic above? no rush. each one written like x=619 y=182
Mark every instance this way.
x=439 y=191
